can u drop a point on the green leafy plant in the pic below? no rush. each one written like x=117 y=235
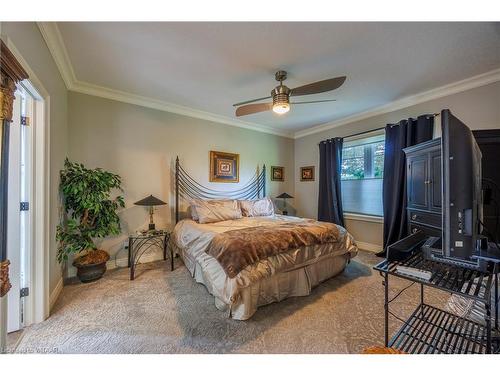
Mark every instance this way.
x=91 y=213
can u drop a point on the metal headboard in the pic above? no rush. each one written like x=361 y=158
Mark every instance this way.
x=188 y=188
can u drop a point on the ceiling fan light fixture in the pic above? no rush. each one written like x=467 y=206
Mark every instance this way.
x=281 y=102
x=281 y=108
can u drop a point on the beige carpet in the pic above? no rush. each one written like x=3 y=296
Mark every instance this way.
x=168 y=312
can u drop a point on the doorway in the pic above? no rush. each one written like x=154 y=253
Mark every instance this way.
x=19 y=218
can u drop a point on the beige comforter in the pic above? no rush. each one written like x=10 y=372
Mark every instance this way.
x=192 y=240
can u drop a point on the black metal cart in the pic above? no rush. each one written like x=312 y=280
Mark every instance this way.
x=432 y=330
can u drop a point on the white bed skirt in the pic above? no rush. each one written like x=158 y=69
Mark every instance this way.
x=294 y=283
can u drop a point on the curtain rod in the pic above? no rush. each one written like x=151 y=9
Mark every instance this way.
x=374 y=130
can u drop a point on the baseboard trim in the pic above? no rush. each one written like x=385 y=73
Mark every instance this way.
x=123 y=262
x=374 y=248
x=54 y=295
x=115 y=263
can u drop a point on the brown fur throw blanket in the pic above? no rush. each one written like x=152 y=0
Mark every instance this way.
x=236 y=249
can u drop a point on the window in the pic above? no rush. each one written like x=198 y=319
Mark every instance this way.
x=362 y=173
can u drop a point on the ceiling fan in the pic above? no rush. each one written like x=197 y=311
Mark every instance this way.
x=281 y=95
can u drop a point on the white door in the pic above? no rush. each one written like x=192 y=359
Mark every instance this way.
x=14 y=219
x=18 y=220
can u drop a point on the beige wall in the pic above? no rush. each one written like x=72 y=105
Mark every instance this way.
x=29 y=42
x=141 y=144
x=479 y=108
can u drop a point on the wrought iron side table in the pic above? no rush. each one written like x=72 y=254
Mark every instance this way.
x=139 y=244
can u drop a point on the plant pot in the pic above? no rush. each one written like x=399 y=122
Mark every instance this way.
x=92 y=266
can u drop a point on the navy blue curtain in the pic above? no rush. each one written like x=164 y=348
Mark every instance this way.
x=330 y=164
x=398 y=136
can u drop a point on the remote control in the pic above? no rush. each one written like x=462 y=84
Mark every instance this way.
x=414 y=272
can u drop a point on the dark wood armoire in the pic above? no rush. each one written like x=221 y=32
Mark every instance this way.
x=423 y=178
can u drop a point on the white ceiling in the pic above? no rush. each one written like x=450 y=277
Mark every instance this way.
x=210 y=66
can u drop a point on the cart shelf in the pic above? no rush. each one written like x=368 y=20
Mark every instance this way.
x=450 y=278
x=430 y=330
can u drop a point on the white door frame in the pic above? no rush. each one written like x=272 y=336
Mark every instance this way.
x=14 y=321
x=37 y=304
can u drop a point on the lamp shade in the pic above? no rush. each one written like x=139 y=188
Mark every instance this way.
x=284 y=195
x=150 y=201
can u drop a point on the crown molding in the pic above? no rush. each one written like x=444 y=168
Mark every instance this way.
x=53 y=38
x=143 y=101
x=439 y=92
x=55 y=43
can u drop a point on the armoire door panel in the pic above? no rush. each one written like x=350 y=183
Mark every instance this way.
x=417 y=182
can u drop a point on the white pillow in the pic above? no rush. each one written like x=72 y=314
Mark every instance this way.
x=259 y=207
x=212 y=211
x=191 y=211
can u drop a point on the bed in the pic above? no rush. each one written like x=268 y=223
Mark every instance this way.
x=292 y=271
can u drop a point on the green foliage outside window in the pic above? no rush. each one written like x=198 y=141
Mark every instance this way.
x=355 y=165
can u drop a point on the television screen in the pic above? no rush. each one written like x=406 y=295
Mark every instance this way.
x=461 y=190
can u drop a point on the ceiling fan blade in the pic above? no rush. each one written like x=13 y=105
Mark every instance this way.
x=318 y=87
x=253 y=108
x=251 y=101
x=315 y=101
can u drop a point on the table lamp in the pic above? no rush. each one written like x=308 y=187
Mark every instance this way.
x=284 y=196
x=150 y=201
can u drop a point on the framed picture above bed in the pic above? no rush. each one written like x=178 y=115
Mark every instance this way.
x=277 y=173
x=224 y=167
x=307 y=173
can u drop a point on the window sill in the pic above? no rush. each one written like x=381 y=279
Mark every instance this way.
x=367 y=218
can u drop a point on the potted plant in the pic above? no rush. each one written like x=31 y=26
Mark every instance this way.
x=90 y=213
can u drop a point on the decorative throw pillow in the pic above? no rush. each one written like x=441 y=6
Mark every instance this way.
x=212 y=211
x=191 y=211
x=259 y=207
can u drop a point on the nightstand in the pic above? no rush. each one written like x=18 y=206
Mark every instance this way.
x=140 y=243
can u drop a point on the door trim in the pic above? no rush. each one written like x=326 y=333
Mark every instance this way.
x=38 y=304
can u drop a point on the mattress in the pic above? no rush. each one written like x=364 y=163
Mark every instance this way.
x=273 y=279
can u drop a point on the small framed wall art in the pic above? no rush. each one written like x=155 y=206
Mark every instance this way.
x=307 y=173
x=224 y=167
x=277 y=173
